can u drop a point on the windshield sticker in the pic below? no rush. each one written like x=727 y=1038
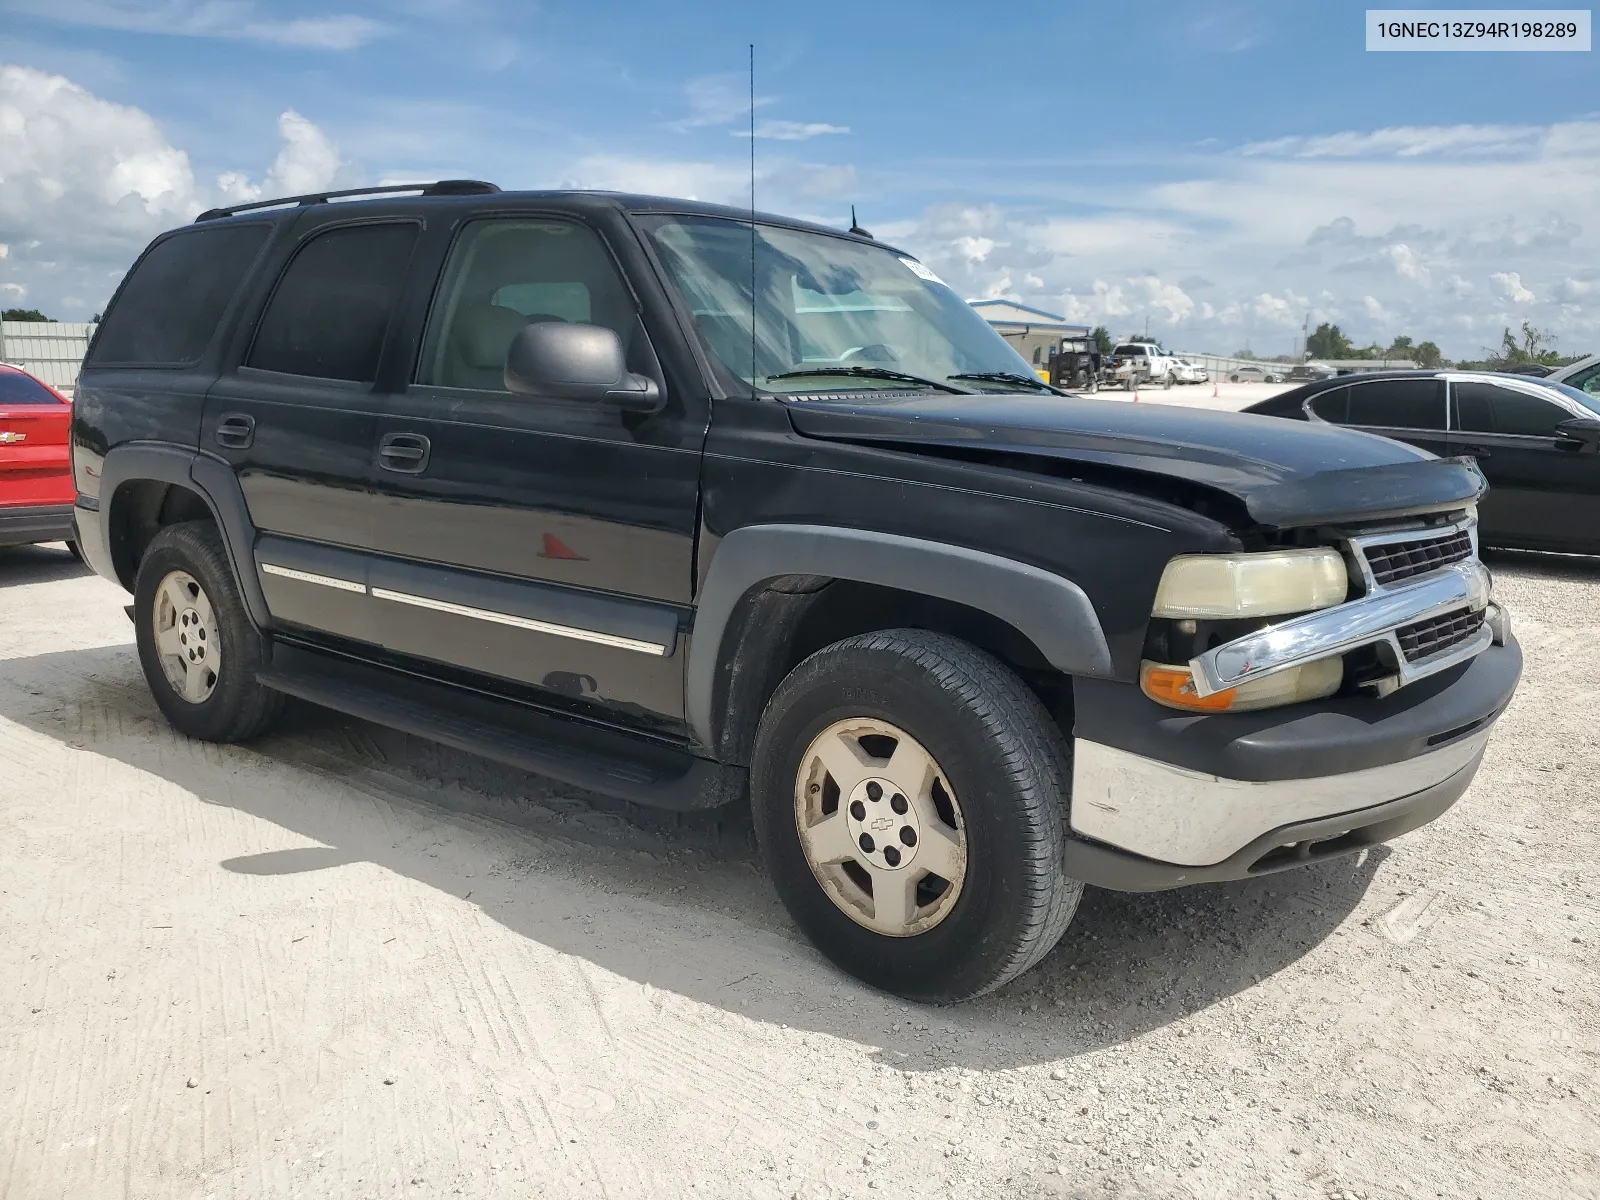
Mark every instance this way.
x=922 y=272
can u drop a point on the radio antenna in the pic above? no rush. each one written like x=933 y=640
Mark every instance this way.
x=752 y=218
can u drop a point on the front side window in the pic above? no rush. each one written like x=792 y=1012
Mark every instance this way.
x=829 y=312
x=172 y=302
x=1398 y=404
x=331 y=310
x=505 y=273
x=1586 y=380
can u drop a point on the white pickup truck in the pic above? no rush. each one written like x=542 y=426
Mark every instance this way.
x=1133 y=363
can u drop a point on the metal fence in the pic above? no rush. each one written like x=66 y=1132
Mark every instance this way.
x=49 y=350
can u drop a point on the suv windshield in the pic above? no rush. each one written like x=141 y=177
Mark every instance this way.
x=832 y=314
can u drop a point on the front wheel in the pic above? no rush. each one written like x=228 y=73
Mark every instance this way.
x=1167 y=382
x=909 y=797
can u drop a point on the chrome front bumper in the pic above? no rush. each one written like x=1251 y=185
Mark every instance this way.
x=1375 y=618
x=1174 y=815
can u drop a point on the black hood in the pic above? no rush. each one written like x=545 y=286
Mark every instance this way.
x=1284 y=472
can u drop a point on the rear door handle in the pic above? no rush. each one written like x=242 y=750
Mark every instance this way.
x=404 y=452
x=236 y=431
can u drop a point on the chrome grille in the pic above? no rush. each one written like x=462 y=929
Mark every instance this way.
x=1392 y=562
x=1424 y=639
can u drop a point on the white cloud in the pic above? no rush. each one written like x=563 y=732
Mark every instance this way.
x=716 y=100
x=975 y=249
x=1405 y=141
x=232 y=19
x=1406 y=263
x=790 y=131
x=1511 y=288
x=17 y=290
x=70 y=161
x=85 y=183
x=307 y=162
x=717 y=182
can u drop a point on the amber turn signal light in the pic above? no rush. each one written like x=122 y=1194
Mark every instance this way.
x=1174 y=687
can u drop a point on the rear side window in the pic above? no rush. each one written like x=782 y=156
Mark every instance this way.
x=1397 y=404
x=171 y=303
x=331 y=310
x=17 y=388
x=1333 y=405
x=1485 y=408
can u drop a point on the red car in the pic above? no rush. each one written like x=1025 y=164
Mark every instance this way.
x=35 y=468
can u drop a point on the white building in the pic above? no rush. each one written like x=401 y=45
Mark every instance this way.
x=49 y=350
x=1032 y=331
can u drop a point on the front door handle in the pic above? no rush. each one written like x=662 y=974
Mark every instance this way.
x=236 y=431
x=404 y=452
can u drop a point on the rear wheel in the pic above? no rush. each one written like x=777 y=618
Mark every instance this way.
x=199 y=651
x=909 y=795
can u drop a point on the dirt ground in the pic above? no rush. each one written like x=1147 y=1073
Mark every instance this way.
x=345 y=963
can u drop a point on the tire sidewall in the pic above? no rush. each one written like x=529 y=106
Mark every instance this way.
x=184 y=548
x=957 y=955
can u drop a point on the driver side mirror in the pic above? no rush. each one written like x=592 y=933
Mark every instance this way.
x=1583 y=431
x=569 y=361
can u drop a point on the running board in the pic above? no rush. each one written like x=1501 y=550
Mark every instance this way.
x=586 y=756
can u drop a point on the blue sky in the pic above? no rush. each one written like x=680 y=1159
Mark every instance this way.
x=1219 y=170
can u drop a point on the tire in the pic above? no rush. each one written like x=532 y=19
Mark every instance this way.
x=74 y=550
x=1003 y=771
x=186 y=582
x=1168 y=381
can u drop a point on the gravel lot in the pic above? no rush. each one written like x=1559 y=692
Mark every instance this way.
x=342 y=962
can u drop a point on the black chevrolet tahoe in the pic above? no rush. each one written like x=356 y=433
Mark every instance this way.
x=697 y=507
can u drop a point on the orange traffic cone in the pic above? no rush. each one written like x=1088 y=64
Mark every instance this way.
x=1213 y=389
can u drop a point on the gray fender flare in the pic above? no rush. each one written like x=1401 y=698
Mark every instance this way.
x=1050 y=610
x=214 y=482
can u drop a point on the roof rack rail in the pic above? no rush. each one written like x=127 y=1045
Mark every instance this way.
x=443 y=187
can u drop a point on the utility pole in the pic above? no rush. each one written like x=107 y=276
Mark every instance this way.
x=1305 y=338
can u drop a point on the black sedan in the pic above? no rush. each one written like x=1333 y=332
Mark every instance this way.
x=1536 y=441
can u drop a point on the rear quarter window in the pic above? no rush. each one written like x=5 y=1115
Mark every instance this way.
x=16 y=388
x=170 y=305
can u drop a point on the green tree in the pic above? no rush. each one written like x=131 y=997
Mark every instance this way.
x=1401 y=347
x=1428 y=355
x=1328 y=341
x=1102 y=340
x=1534 y=346
x=23 y=314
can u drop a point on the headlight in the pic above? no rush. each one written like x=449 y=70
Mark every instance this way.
x=1229 y=586
x=1174 y=687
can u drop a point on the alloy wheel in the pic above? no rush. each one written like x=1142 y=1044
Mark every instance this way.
x=186 y=637
x=880 y=827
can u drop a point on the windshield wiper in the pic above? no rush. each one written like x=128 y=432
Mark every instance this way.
x=869 y=373
x=1034 y=383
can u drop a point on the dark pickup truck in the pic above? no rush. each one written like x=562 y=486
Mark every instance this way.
x=694 y=508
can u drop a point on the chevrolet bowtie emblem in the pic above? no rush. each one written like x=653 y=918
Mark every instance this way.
x=9 y=439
